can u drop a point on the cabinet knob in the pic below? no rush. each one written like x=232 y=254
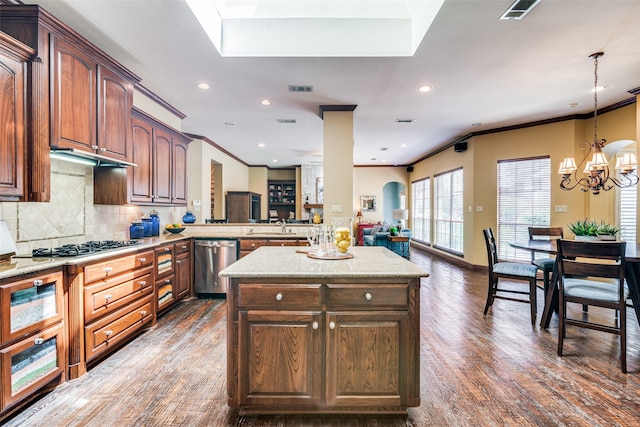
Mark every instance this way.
x=167 y=281
x=142 y=259
x=108 y=270
x=142 y=282
x=38 y=341
x=183 y=247
x=253 y=244
x=279 y=296
x=94 y=147
x=314 y=325
x=37 y=282
x=332 y=325
x=143 y=312
x=368 y=296
x=103 y=149
x=107 y=297
x=167 y=249
x=108 y=332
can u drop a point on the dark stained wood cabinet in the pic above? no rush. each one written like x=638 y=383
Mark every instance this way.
x=242 y=206
x=13 y=161
x=115 y=99
x=160 y=153
x=183 y=268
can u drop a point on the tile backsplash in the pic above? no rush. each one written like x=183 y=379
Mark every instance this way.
x=70 y=216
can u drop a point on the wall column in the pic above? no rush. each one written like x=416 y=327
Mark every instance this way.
x=338 y=160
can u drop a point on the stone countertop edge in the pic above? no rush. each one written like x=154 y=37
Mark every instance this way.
x=285 y=262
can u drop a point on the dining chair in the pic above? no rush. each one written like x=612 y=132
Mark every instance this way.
x=592 y=274
x=511 y=271
x=546 y=263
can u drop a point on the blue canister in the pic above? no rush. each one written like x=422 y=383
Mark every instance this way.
x=189 y=218
x=147 y=225
x=155 y=223
x=136 y=230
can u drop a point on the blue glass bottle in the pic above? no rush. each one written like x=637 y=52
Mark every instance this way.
x=155 y=223
x=189 y=218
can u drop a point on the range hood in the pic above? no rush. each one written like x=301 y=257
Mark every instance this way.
x=86 y=158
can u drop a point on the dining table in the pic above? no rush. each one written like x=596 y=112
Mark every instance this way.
x=632 y=274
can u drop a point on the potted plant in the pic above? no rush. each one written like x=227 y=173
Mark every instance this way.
x=608 y=231
x=586 y=229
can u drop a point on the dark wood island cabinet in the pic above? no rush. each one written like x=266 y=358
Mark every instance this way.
x=323 y=336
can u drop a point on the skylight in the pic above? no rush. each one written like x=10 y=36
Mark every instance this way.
x=315 y=28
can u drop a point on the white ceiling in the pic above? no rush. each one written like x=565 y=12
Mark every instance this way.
x=483 y=70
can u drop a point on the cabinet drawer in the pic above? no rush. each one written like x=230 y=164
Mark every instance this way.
x=394 y=295
x=182 y=246
x=112 y=294
x=251 y=244
x=280 y=296
x=31 y=364
x=108 y=332
x=284 y=242
x=164 y=260
x=30 y=304
x=103 y=270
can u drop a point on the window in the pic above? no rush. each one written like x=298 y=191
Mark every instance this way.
x=627 y=213
x=449 y=211
x=524 y=200
x=421 y=215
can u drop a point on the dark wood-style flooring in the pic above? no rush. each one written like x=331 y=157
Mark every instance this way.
x=496 y=370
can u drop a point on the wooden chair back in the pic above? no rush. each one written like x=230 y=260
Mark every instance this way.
x=547 y=232
x=594 y=259
x=492 y=248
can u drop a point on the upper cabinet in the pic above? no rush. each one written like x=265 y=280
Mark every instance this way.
x=160 y=153
x=13 y=59
x=78 y=96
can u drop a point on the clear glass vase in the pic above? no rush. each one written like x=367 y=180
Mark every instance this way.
x=343 y=234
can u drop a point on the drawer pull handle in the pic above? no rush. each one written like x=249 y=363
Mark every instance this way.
x=142 y=259
x=108 y=270
x=279 y=296
x=142 y=282
x=38 y=282
x=332 y=325
x=167 y=249
x=368 y=296
x=314 y=325
x=183 y=247
x=178 y=261
x=143 y=312
x=107 y=297
x=108 y=332
x=38 y=341
x=167 y=281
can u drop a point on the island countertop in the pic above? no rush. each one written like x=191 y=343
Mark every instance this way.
x=285 y=262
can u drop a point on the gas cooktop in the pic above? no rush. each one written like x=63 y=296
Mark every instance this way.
x=80 y=249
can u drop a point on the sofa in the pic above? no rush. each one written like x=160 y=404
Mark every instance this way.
x=377 y=236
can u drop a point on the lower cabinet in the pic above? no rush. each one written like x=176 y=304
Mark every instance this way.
x=323 y=347
x=32 y=336
x=184 y=269
x=173 y=273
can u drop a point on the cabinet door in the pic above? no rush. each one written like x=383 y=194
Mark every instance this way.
x=74 y=95
x=183 y=275
x=31 y=364
x=280 y=360
x=162 y=167
x=165 y=293
x=179 y=189
x=115 y=97
x=12 y=132
x=366 y=358
x=141 y=176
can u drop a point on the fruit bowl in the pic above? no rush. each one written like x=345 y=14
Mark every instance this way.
x=175 y=230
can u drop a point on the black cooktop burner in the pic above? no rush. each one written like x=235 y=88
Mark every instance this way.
x=88 y=248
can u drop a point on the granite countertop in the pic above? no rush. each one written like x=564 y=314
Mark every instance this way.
x=284 y=261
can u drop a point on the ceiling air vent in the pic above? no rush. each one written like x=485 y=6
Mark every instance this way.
x=405 y=120
x=286 y=120
x=294 y=88
x=519 y=9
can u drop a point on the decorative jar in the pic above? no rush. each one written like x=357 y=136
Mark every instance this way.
x=155 y=223
x=343 y=231
x=147 y=225
x=136 y=230
x=188 y=218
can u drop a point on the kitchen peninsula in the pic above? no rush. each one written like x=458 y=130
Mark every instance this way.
x=323 y=336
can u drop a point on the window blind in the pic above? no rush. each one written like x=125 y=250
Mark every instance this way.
x=449 y=211
x=421 y=215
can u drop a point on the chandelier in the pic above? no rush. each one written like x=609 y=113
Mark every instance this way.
x=597 y=172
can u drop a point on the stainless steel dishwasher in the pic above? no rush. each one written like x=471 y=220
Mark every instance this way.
x=211 y=257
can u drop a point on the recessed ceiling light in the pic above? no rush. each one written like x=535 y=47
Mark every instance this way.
x=261 y=145
x=275 y=160
x=403 y=145
x=599 y=88
x=425 y=89
x=203 y=86
x=265 y=102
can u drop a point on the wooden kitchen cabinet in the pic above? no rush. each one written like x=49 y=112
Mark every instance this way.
x=338 y=347
x=183 y=268
x=13 y=162
x=242 y=206
x=160 y=153
x=33 y=339
x=165 y=294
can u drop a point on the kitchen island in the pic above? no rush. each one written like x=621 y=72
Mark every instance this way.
x=323 y=336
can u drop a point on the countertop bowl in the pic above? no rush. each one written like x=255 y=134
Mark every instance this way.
x=174 y=230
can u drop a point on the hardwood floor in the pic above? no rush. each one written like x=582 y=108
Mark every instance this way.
x=496 y=370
